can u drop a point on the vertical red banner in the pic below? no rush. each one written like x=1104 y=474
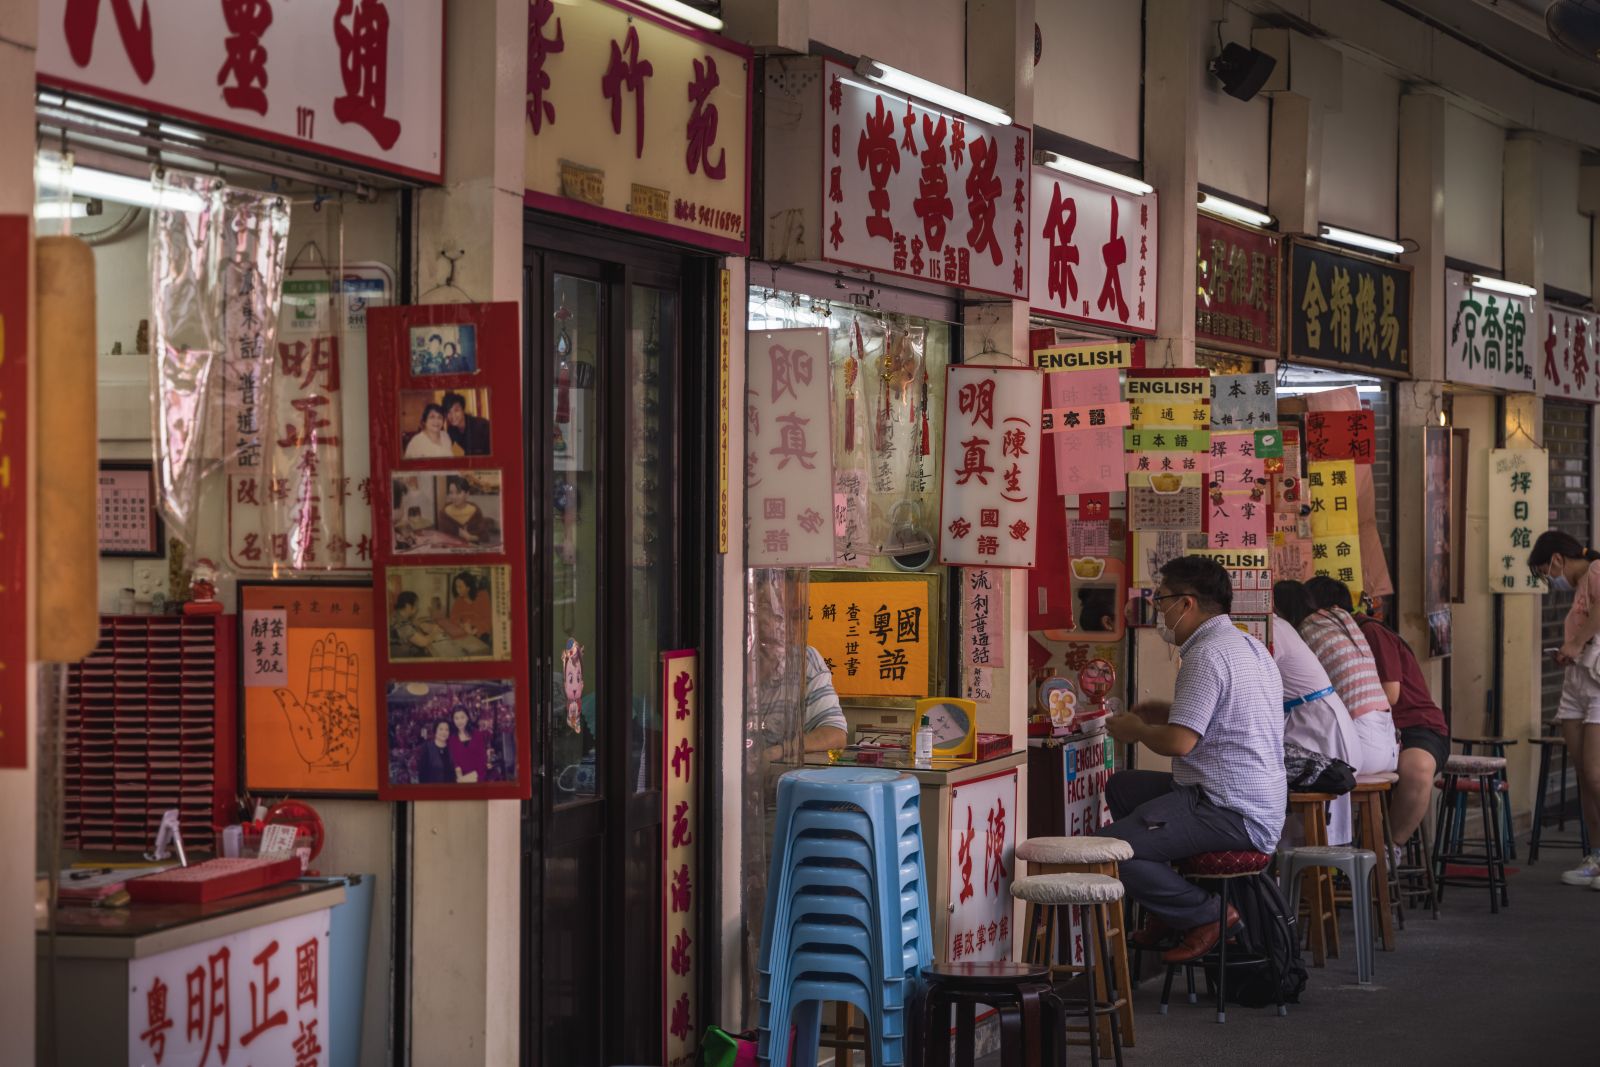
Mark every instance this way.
x=680 y=703
x=15 y=256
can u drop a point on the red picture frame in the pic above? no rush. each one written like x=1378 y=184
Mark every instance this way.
x=429 y=666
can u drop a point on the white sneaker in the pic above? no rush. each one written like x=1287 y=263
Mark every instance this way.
x=1586 y=873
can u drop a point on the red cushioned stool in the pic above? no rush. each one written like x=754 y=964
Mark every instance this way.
x=1221 y=868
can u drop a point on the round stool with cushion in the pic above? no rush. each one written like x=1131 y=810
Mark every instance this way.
x=1463 y=776
x=1221 y=868
x=1032 y=1027
x=1088 y=897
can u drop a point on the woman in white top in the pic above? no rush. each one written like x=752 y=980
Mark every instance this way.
x=432 y=440
x=1313 y=715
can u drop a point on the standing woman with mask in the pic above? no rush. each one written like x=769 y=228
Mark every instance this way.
x=1565 y=564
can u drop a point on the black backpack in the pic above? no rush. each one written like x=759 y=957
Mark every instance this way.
x=1270 y=933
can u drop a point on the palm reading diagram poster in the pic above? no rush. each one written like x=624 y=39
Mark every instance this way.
x=309 y=691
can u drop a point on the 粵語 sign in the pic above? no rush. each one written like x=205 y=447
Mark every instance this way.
x=1237 y=305
x=1093 y=253
x=875 y=636
x=1350 y=311
x=638 y=122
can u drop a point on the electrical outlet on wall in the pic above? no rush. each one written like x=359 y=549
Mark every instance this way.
x=149 y=578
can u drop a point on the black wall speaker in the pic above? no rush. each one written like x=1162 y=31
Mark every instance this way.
x=1242 y=71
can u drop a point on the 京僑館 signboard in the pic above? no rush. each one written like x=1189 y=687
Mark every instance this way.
x=922 y=193
x=1487 y=336
x=1093 y=253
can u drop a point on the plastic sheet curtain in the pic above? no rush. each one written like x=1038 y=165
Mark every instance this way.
x=216 y=277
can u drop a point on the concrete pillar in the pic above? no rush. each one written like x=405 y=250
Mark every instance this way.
x=18 y=43
x=1295 y=163
x=1174 y=75
x=465 y=922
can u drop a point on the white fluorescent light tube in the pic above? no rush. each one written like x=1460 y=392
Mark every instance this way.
x=1237 y=212
x=87 y=181
x=1357 y=239
x=60 y=209
x=932 y=92
x=1100 y=175
x=684 y=13
x=1500 y=285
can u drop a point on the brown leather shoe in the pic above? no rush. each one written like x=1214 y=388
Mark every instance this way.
x=1199 y=940
x=1151 y=932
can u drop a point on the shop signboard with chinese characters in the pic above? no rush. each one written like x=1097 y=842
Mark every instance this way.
x=1488 y=336
x=360 y=81
x=878 y=632
x=637 y=121
x=1568 y=354
x=923 y=193
x=15 y=433
x=1092 y=253
x=789 y=466
x=981 y=845
x=990 y=501
x=680 y=703
x=1519 y=511
x=1237 y=304
x=262 y=993
x=1349 y=311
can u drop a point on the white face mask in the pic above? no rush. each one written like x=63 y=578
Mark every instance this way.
x=1168 y=634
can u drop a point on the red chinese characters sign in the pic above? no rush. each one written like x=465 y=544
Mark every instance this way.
x=1567 y=354
x=639 y=122
x=923 y=193
x=358 y=80
x=681 y=948
x=981 y=842
x=1238 y=305
x=257 y=996
x=789 y=441
x=991 y=466
x=15 y=255
x=1093 y=253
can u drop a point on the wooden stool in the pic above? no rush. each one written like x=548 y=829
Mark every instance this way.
x=1323 y=918
x=1536 y=838
x=1087 y=897
x=1082 y=855
x=1032 y=1024
x=1370 y=803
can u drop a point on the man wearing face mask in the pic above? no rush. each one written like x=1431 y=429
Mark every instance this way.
x=1224 y=733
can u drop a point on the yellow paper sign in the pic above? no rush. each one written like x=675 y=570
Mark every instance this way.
x=1333 y=497
x=1339 y=557
x=1084 y=357
x=875 y=635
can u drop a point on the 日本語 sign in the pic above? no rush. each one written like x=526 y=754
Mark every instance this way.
x=981 y=844
x=15 y=256
x=1237 y=305
x=261 y=994
x=638 y=122
x=922 y=193
x=991 y=466
x=1487 y=336
x=357 y=80
x=789 y=465
x=680 y=712
x=1519 y=510
x=1569 y=354
x=1092 y=252
x=1350 y=311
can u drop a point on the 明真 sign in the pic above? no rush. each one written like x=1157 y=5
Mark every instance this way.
x=789 y=465
x=991 y=466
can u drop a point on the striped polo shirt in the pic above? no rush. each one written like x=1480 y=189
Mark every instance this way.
x=822 y=700
x=1344 y=653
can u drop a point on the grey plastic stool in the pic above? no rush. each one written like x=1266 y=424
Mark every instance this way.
x=1358 y=865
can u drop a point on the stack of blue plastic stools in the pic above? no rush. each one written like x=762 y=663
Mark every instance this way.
x=847 y=911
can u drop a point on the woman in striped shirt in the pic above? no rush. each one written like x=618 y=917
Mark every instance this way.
x=1332 y=633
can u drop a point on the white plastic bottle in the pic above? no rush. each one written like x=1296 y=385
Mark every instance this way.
x=925 y=743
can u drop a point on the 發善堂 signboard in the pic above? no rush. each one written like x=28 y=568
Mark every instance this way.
x=1349 y=311
x=1487 y=339
x=1093 y=253
x=1237 y=306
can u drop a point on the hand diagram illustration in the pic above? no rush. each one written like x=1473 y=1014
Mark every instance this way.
x=326 y=723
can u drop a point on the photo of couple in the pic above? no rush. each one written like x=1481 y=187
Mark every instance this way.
x=452 y=733
x=444 y=349
x=443 y=613
x=443 y=423
x=456 y=511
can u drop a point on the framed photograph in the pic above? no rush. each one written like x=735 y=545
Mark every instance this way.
x=445 y=512
x=452 y=735
x=954 y=725
x=130 y=523
x=448 y=614
x=1438 y=505
x=444 y=348
x=308 y=691
x=443 y=423
x=1460 y=439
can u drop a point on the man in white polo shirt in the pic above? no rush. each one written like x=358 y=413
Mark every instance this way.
x=1224 y=733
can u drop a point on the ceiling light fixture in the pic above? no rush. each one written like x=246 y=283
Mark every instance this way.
x=1500 y=285
x=61 y=175
x=684 y=13
x=1227 y=209
x=1099 y=175
x=60 y=209
x=1357 y=239
x=932 y=92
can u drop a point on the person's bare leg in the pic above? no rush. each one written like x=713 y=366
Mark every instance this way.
x=1408 y=801
x=1589 y=777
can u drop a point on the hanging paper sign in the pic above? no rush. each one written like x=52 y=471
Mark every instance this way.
x=1094 y=506
x=1089 y=538
x=1181 y=509
x=1235 y=467
x=991 y=466
x=1237 y=520
x=981 y=843
x=1093 y=253
x=1237 y=558
x=1269 y=445
x=1291 y=558
x=1243 y=401
x=1570 y=364
x=1339 y=435
x=16 y=259
x=1085 y=421
x=982 y=616
x=1487 y=341
x=875 y=636
x=1068 y=419
x=1156 y=462
x=789 y=463
x=1182 y=439
x=1338 y=556
x=1092 y=356
x=681 y=771
x=916 y=191
x=1162 y=402
x=1519 y=510
x=1333 y=497
x=1348 y=310
x=1089 y=461
x=1237 y=306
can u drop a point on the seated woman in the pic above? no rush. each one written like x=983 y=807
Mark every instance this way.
x=1313 y=715
x=1332 y=633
